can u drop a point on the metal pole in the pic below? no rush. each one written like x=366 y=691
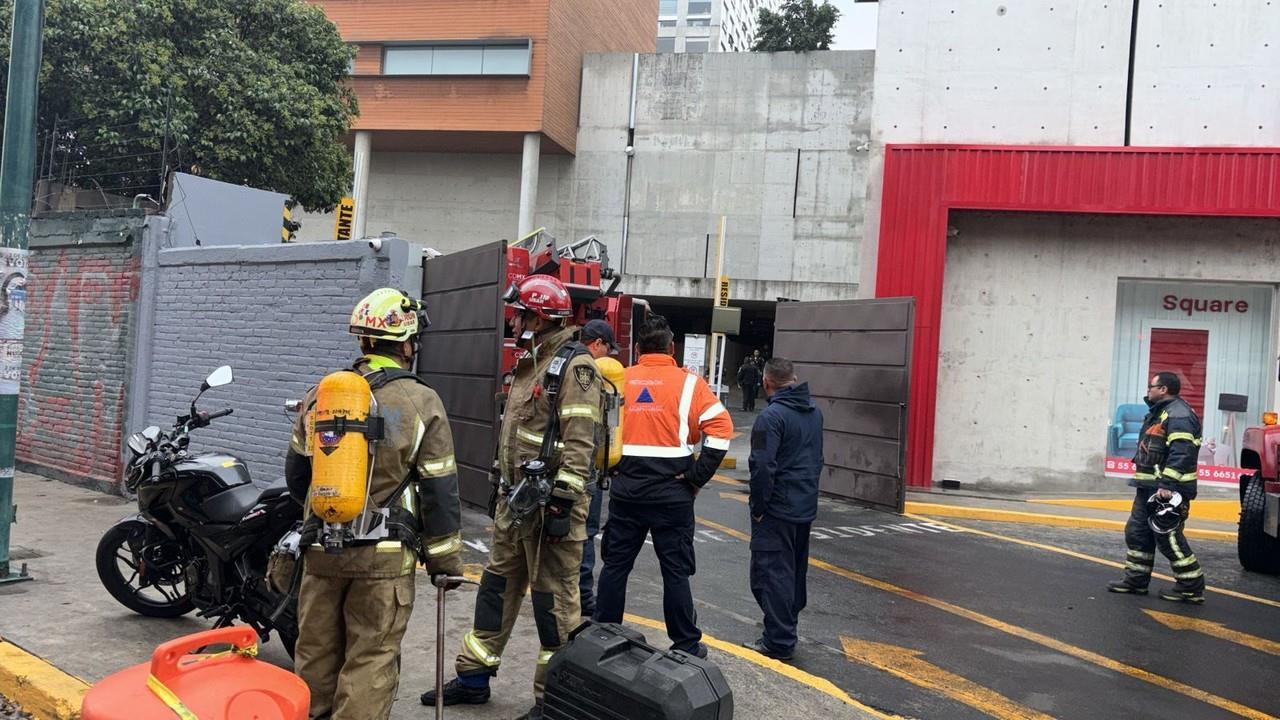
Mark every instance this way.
x=719 y=342
x=17 y=173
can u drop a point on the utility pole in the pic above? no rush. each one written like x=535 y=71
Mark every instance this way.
x=17 y=173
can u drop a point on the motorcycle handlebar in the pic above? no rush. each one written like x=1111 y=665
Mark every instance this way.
x=219 y=414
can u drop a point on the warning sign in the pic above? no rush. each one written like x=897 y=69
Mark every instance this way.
x=346 y=218
x=723 y=299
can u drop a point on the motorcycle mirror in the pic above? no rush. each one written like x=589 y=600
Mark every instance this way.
x=218 y=378
x=293 y=406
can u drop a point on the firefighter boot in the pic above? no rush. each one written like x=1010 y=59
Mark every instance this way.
x=1173 y=594
x=1123 y=586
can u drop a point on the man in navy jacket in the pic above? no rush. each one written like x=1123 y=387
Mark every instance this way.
x=786 y=460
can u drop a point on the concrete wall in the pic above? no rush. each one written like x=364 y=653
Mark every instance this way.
x=774 y=141
x=977 y=71
x=84 y=276
x=277 y=314
x=453 y=201
x=1027 y=340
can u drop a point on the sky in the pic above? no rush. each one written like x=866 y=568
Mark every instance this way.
x=856 y=29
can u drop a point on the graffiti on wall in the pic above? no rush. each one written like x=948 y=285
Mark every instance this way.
x=72 y=411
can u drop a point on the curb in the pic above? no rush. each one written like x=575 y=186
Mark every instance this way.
x=1013 y=516
x=39 y=687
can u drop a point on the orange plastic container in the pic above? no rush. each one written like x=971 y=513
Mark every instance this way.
x=220 y=686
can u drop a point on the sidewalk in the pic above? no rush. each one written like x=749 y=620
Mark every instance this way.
x=67 y=618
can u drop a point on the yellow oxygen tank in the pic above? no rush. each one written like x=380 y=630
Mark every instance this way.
x=613 y=372
x=340 y=460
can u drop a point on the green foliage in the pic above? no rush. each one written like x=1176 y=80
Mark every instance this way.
x=799 y=25
x=251 y=92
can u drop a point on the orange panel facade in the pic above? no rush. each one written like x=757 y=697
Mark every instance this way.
x=560 y=32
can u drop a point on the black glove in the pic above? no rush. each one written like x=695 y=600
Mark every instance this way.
x=557 y=519
x=442 y=580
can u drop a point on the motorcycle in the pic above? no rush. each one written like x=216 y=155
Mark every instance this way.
x=203 y=534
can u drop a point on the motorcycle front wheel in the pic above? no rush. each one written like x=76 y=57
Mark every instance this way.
x=143 y=570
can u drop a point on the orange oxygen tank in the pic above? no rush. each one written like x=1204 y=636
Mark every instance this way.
x=340 y=460
x=613 y=372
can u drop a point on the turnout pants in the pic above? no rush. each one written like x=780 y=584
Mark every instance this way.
x=779 y=561
x=1143 y=541
x=348 y=651
x=521 y=559
x=672 y=527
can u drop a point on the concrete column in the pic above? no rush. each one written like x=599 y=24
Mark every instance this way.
x=529 y=182
x=360 y=183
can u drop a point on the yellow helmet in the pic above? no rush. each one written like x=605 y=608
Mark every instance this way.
x=388 y=314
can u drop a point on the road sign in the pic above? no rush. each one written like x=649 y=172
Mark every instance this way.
x=723 y=298
x=346 y=219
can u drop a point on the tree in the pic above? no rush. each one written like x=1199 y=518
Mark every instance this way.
x=799 y=25
x=252 y=93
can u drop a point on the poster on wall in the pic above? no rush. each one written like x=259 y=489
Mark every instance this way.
x=13 y=308
x=695 y=353
x=1216 y=338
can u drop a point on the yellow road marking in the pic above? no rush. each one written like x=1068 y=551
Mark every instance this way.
x=1090 y=558
x=38 y=686
x=726 y=480
x=820 y=684
x=1217 y=510
x=1029 y=635
x=735 y=496
x=1214 y=629
x=1015 y=516
x=906 y=664
x=736 y=434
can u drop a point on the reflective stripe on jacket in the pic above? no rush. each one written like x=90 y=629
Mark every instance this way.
x=1168 y=448
x=667 y=411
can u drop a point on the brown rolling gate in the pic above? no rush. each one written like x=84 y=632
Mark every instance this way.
x=461 y=354
x=855 y=355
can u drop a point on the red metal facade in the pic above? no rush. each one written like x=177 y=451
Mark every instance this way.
x=923 y=183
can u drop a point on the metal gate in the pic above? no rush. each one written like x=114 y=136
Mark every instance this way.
x=856 y=357
x=461 y=355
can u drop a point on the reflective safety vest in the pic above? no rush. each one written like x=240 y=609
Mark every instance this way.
x=666 y=413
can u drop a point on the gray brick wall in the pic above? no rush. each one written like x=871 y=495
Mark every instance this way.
x=82 y=292
x=277 y=314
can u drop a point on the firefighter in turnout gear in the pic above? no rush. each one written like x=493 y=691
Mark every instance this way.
x=1165 y=478
x=354 y=602
x=545 y=456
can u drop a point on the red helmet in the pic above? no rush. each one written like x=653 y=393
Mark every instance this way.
x=542 y=295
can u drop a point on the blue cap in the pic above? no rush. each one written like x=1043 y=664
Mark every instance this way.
x=599 y=330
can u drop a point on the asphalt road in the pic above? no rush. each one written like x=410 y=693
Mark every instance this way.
x=928 y=620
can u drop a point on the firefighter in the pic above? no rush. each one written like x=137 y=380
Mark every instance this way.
x=548 y=430
x=597 y=337
x=666 y=411
x=1165 y=478
x=354 y=605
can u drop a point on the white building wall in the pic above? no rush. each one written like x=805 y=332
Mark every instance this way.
x=1028 y=334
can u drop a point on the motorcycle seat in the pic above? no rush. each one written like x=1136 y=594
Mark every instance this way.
x=275 y=489
x=231 y=504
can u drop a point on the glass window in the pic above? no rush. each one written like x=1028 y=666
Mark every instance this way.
x=699 y=22
x=697 y=7
x=477 y=59
x=695 y=46
x=407 y=61
x=458 y=60
x=666 y=7
x=666 y=44
x=506 y=60
x=666 y=23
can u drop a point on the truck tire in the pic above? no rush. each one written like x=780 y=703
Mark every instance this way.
x=1258 y=551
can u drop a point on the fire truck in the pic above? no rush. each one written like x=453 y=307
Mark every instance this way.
x=1258 y=539
x=592 y=283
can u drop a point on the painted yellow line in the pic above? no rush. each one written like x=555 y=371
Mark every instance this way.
x=1029 y=635
x=966 y=512
x=735 y=496
x=906 y=664
x=820 y=684
x=1227 y=511
x=1214 y=629
x=725 y=479
x=39 y=687
x=1090 y=558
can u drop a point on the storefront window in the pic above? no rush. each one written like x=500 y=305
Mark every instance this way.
x=1217 y=338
